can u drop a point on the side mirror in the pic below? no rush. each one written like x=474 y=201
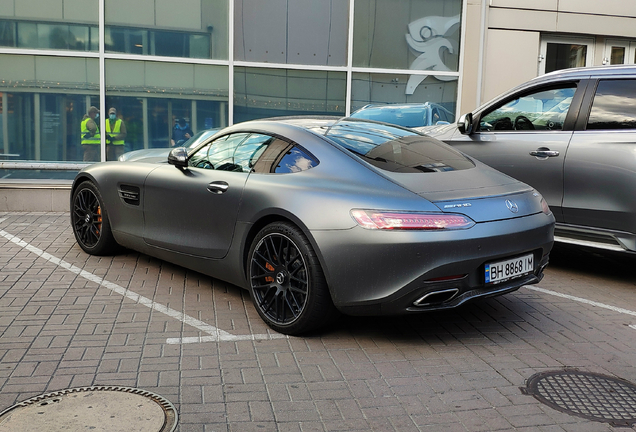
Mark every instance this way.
x=178 y=157
x=465 y=124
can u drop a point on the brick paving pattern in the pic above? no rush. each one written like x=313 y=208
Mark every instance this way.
x=452 y=371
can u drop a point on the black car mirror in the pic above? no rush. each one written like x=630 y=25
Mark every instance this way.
x=178 y=157
x=465 y=124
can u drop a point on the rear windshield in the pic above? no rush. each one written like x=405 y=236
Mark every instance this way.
x=395 y=149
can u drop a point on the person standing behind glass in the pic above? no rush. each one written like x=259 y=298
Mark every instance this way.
x=181 y=133
x=90 y=135
x=115 y=135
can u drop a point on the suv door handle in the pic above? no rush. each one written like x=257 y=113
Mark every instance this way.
x=218 y=187
x=544 y=153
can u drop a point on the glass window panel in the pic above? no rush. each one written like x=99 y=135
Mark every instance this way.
x=397 y=150
x=59 y=25
x=28 y=35
x=614 y=105
x=79 y=38
x=130 y=111
x=312 y=32
x=293 y=160
x=53 y=36
x=563 y=56
x=47 y=99
x=7 y=34
x=407 y=34
x=165 y=28
x=618 y=55
x=260 y=93
x=171 y=44
x=151 y=97
x=403 y=89
x=542 y=110
x=128 y=41
x=219 y=155
x=49 y=36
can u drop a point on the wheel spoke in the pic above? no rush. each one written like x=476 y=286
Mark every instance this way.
x=295 y=308
x=269 y=246
x=267 y=307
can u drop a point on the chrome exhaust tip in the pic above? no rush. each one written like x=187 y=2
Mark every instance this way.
x=436 y=297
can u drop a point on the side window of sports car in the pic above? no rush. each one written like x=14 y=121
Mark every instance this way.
x=218 y=154
x=283 y=157
x=614 y=105
x=545 y=109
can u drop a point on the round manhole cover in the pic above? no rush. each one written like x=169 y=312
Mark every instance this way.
x=103 y=408
x=589 y=395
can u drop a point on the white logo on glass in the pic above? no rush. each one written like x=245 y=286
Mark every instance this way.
x=426 y=36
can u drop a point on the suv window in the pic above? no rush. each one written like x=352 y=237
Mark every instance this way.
x=545 y=109
x=614 y=105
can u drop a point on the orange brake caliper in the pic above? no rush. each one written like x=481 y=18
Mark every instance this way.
x=269 y=267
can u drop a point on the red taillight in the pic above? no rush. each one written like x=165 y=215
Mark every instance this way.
x=544 y=206
x=373 y=219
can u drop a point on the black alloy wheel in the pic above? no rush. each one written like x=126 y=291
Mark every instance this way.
x=90 y=221
x=287 y=285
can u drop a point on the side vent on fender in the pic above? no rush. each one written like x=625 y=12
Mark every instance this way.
x=130 y=194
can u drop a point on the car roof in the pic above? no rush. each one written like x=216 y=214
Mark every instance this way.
x=564 y=75
x=588 y=71
x=399 y=105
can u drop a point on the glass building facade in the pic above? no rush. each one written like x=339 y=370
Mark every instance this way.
x=211 y=63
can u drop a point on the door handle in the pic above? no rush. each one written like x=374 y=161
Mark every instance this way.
x=544 y=153
x=218 y=187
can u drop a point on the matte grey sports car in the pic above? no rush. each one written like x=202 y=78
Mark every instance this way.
x=316 y=216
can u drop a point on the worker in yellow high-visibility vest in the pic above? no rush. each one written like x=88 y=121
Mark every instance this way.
x=115 y=135
x=89 y=133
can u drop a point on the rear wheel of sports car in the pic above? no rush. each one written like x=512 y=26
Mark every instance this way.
x=287 y=284
x=90 y=221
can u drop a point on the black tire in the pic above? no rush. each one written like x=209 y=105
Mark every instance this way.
x=90 y=222
x=286 y=281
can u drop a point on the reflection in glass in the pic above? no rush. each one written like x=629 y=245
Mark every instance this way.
x=23 y=34
x=260 y=93
x=312 y=32
x=187 y=29
x=431 y=41
x=543 y=110
x=618 y=55
x=152 y=98
x=392 y=88
x=159 y=43
x=397 y=150
x=7 y=33
x=614 y=105
x=564 y=56
x=44 y=112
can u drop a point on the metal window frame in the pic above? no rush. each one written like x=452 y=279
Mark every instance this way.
x=230 y=63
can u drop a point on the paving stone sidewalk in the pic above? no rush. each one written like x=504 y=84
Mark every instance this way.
x=69 y=320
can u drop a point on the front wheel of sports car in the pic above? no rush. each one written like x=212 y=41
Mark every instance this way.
x=287 y=284
x=90 y=221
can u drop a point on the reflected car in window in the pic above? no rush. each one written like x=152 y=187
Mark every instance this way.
x=414 y=115
x=572 y=135
x=316 y=216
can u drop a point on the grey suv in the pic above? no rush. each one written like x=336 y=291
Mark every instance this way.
x=572 y=135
